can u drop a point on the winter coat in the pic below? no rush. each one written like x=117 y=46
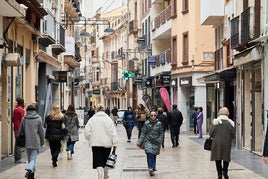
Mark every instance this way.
x=130 y=117
x=143 y=115
x=72 y=125
x=222 y=132
x=17 y=117
x=100 y=131
x=31 y=125
x=54 y=129
x=175 y=118
x=154 y=140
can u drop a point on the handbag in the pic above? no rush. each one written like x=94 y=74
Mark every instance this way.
x=208 y=143
x=21 y=140
x=110 y=163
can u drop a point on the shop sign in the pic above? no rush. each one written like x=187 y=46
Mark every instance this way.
x=96 y=91
x=166 y=79
x=151 y=60
x=186 y=82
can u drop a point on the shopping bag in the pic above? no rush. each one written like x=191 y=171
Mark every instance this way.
x=207 y=144
x=110 y=163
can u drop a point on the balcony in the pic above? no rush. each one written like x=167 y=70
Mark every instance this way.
x=161 y=25
x=243 y=33
x=133 y=26
x=212 y=12
x=163 y=58
x=11 y=8
x=48 y=36
x=59 y=47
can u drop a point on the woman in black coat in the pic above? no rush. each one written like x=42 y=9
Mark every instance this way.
x=163 y=119
x=222 y=132
x=54 y=133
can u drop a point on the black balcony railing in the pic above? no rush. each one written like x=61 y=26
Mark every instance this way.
x=245 y=26
x=235 y=32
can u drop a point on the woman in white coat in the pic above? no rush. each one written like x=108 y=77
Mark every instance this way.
x=101 y=133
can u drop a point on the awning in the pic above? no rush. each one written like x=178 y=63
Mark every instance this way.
x=44 y=57
x=221 y=75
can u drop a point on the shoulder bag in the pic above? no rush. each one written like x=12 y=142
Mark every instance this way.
x=110 y=163
x=21 y=138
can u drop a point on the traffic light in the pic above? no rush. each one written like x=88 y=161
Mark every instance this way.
x=126 y=75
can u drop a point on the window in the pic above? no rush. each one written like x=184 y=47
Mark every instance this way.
x=174 y=52
x=173 y=8
x=185 y=50
x=185 y=6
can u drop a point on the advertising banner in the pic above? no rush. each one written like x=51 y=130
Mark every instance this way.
x=165 y=97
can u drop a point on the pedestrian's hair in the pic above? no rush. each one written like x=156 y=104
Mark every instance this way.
x=223 y=111
x=31 y=108
x=70 y=110
x=200 y=108
x=160 y=110
x=100 y=107
x=174 y=106
x=55 y=113
x=20 y=101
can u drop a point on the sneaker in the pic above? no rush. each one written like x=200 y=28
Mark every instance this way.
x=128 y=140
x=29 y=174
x=69 y=155
x=151 y=172
x=54 y=163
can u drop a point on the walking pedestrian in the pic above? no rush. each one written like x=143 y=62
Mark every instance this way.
x=72 y=125
x=54 y=132
x=175 y=120
x=107 y=111
x=265 y=148
x=142 y=115
x=101 y=133
x=163 y=119
x=114 y=114
x=31 y=126
x=199 y=120
x=18 y=114
x=129 y=121
x=194 y=119
x=152 y=134
x=222 y=132
x=91 y=112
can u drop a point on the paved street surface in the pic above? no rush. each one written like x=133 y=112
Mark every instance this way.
x=188 y=161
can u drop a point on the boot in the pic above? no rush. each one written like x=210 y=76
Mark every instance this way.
x=69 y=155
x=225 y=175
x=100 y=172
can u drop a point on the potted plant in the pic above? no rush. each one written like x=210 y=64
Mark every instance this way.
x=224 y=41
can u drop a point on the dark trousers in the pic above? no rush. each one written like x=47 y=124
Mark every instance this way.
x=17 y=149
x=55 y=146
x=195 y=127
x=222 y=170
x=129 y=129
x=140 y=127
x=174 y=134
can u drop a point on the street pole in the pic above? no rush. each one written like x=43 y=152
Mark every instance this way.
x=127 y=54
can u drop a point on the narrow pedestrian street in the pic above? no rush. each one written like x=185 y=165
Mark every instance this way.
x=188 y=161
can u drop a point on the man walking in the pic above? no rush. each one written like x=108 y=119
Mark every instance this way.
x=175 y=120
x=18 y=114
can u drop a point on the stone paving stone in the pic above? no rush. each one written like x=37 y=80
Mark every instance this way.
x=188 y=161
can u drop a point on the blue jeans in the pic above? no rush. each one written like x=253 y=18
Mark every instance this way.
x=32 y=156
x=70 y=146
x=151 y=161
x=129 y=129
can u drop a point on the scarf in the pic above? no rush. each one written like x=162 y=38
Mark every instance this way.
x=222 y=117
